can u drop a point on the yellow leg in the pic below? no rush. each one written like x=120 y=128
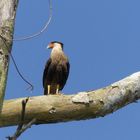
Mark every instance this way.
x=57 y=89
x=49 y=89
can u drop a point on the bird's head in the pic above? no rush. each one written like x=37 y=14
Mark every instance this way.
x=55 y=44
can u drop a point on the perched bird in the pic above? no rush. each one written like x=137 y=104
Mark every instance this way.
x=56 y=70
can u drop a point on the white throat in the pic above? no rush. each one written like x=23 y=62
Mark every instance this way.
x=56 y=50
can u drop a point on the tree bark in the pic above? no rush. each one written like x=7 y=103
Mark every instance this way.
x=84 y=105
x=7 y=17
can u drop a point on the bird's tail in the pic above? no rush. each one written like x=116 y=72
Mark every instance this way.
x=45 y=91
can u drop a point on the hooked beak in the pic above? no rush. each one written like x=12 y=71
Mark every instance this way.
x=48 y=47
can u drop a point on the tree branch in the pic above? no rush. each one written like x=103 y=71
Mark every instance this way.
x=7 y=16
x=84 y=105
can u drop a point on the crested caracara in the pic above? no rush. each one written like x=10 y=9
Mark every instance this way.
x=56 y=70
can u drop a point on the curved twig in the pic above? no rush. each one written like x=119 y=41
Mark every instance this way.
x=42 y=30
x=17 y=69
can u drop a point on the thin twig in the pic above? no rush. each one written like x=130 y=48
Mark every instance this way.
x=14 y=62
x=42 y=30
x=22 y=127
x=26 y=126
x=24 y=102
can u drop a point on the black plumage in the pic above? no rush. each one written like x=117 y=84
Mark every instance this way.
x=56 y=70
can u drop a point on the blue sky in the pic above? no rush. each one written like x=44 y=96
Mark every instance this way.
x=102 y=40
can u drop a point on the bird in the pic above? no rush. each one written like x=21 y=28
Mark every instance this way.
x=56 y=70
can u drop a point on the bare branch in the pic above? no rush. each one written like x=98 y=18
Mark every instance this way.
x=84 y=105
